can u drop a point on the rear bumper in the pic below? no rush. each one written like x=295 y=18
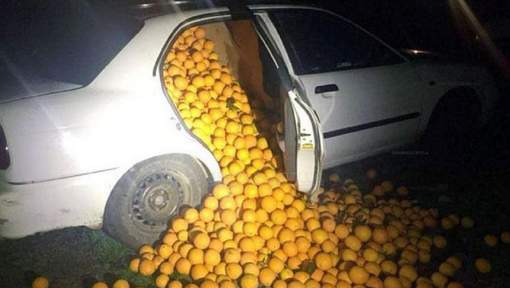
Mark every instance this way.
x=29 y=208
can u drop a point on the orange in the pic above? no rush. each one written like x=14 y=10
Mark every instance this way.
x=246 y=244
x=242 y=154
x=207 y=283
x=286 y=235
x=278 y=217
x=273 y=244
x=147 y=267
x=226 y=78
x=227 y=203
x=268 y=203
x=180 y=82
x=483 y=265
x=228 y=216
x=183 y=266
x=196 y=256
x=198 y=271
x=191 y=215
x=250 y=191
x=211 y=203
x=166 y=268
x=265 y=190
x=353 y=242
x=179 y=224
x=290 y=248
x=249 y=215
x=302 y=244
x=198 y=81
x=174 y=284
x=267 y=276
x=220 y=191
x=164 y=251
x=212 y=257
x=358 y=275
x=329 y=225
x=363 y=232
x=40 y=282
x=275 y=264
x=249 y=281
x=319 y=236
x=265 y=232
x=161 y=281
x=206 y=215
x=121 y=283
x=233 y=270
x=98 y=285
x=312 y=224
x=134 y=264
x=236 y=188
x=250 y=229
x=232 y=255
x=250 y=141
x=241 y=178
x=393 y=282
x=251 y=268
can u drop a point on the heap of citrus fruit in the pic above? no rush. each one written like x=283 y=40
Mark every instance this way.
x=256 y=230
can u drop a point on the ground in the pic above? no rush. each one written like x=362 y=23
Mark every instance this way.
x=472 y=184
x=75 y=257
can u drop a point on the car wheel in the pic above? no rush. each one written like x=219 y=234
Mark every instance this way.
x=145 y=198
x=453 y=126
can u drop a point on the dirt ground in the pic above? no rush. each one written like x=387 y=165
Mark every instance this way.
x=470 y=184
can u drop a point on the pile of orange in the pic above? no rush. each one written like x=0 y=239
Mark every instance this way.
x=256 y=230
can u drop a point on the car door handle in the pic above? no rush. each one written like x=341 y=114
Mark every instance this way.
x=326 y=88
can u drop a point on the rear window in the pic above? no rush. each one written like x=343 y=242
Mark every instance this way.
x=62 y=40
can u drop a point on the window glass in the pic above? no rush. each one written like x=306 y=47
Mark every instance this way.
x=61 y=40
x=318 y=42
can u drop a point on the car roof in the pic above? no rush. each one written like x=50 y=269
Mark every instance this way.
x=145 y=9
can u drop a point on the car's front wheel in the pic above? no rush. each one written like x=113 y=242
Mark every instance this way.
x=145 y=198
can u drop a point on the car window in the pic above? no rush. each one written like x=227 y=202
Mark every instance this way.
x=61 y=40
x=318 y=42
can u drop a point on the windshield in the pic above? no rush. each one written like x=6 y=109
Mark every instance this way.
x=61 y=40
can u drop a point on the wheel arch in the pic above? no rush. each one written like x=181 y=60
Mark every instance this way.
x=116 y=221
x=461 y=93
x=206 y=169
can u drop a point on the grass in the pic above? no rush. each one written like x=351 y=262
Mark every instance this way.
x=114 y=257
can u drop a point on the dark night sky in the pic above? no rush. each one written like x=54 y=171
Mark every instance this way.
x=417 y=23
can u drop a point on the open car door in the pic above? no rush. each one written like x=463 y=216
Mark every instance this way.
x=303 y=144
x=303 y=141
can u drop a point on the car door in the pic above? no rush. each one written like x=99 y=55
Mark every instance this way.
x=303 y=141
x=366 y=95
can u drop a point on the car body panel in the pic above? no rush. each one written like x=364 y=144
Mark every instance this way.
x=69 y=149
x=371 y=96
x=103 y=125
x=75 y=201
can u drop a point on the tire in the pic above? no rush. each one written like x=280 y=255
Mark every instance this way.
x=453 y=125
x=144 y=199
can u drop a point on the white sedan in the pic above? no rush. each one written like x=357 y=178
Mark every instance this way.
x=92 y=139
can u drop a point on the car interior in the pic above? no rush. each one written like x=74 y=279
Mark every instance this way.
x=241 y=49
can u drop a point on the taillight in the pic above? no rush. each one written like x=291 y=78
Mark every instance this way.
x=5 y=160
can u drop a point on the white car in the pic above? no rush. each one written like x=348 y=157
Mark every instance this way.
x=94 y=140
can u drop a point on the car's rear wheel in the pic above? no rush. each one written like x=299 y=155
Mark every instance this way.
x=145 y=198
x=453 y=125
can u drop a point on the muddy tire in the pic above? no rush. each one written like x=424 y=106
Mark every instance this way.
x=149 y=194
